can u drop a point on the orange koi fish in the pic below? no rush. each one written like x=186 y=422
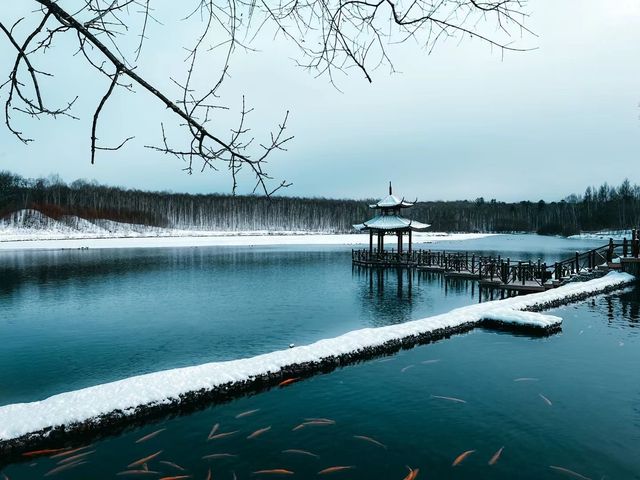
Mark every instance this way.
x=569 y=472
x=301 y=452
x=547 y=401
x=288 y=381
x=137 y=463
x=223 y=435
x=259 y=432
x=75 y=457
x=370 y=440
x=174 y=465
x=37 y=453
x=412 y=474
x=496 y=456
x=274 y=471
x=451 y=399
x=215 y=456
x=460 y=458
x=247 y=413
x=338 y=468
x=62 y=468
x=214 y=429
x=70 y=452
x=150 y=436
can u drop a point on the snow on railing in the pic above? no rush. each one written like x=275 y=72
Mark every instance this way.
x=92 y=408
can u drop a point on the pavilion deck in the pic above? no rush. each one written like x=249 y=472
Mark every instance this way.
x=503 y=273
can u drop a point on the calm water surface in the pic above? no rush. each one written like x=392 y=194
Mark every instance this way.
x=76 y=318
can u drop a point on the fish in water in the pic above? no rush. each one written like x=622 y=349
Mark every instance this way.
x=571 y=473
x=75 y=457
x=288 y=381
x=412 y=474
x=451 y=399
x=496 y=456
x=247 y=413
x=214 y=429
x=460 y=458
x=273 y=471
x=300 y=452
x=338 y=468
x=150 y=436
x=174 y=465
x=370 y=440
x=4 y=477
x=62 y=468
x=178 y=477
x=129 y=473
x=209 y=475
x=312 y=422
x=222 y=435
x=215 y=456
x=37 y=453
x=259 y=432
x=137 y=463
x=406 y=368
x=428 y=362
x=325 y=420
x=70 y=452
x=525 y=379
x=547 y=401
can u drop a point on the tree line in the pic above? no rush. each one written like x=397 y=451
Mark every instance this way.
x=599 y=208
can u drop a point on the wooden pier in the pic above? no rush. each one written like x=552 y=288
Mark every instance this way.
x=504 y=273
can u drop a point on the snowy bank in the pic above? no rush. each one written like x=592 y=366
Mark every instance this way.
x=603 y=235
x=31 y=230
x=116 y=403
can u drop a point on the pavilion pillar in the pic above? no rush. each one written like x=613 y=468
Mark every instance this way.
x=409 y=241
x=399 y=241
x=370 y=243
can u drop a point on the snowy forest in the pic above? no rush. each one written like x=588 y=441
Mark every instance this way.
x=598 y=208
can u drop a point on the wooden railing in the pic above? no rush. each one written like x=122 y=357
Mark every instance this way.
x=498 y=269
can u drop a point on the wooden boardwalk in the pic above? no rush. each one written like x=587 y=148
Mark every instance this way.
x=497 y=272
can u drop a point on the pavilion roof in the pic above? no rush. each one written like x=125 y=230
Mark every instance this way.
x=391 y=222
x=391 y=201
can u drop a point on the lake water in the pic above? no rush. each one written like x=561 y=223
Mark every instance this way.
x=70 y=319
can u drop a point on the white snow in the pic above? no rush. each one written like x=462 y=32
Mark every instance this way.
x=30 y=229
x=603 y=235
x=166 y=386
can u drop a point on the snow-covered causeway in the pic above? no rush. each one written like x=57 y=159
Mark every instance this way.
x=96 y=404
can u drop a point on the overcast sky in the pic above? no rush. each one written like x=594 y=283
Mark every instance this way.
x=459 y=123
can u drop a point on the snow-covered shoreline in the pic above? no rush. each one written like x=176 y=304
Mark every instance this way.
x=210 y=239
x=90 y=408
x=30 y=229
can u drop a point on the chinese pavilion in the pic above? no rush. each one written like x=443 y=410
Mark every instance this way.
x=389 y=221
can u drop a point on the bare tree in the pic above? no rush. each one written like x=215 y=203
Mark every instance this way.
x=331 y=36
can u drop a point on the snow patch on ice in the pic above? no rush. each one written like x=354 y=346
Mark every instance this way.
x=165 y=387
x=603 y=235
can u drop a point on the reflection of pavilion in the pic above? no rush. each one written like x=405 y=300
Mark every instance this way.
x=389 y=221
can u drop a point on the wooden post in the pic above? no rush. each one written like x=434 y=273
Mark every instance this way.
x=577 y=263
x=635 y=248
x=370 y=243
x=625 y=247
x=610 y=250
x=473 y=263
x=556 y=271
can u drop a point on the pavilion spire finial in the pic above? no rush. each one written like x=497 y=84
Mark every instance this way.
x=390 y=189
